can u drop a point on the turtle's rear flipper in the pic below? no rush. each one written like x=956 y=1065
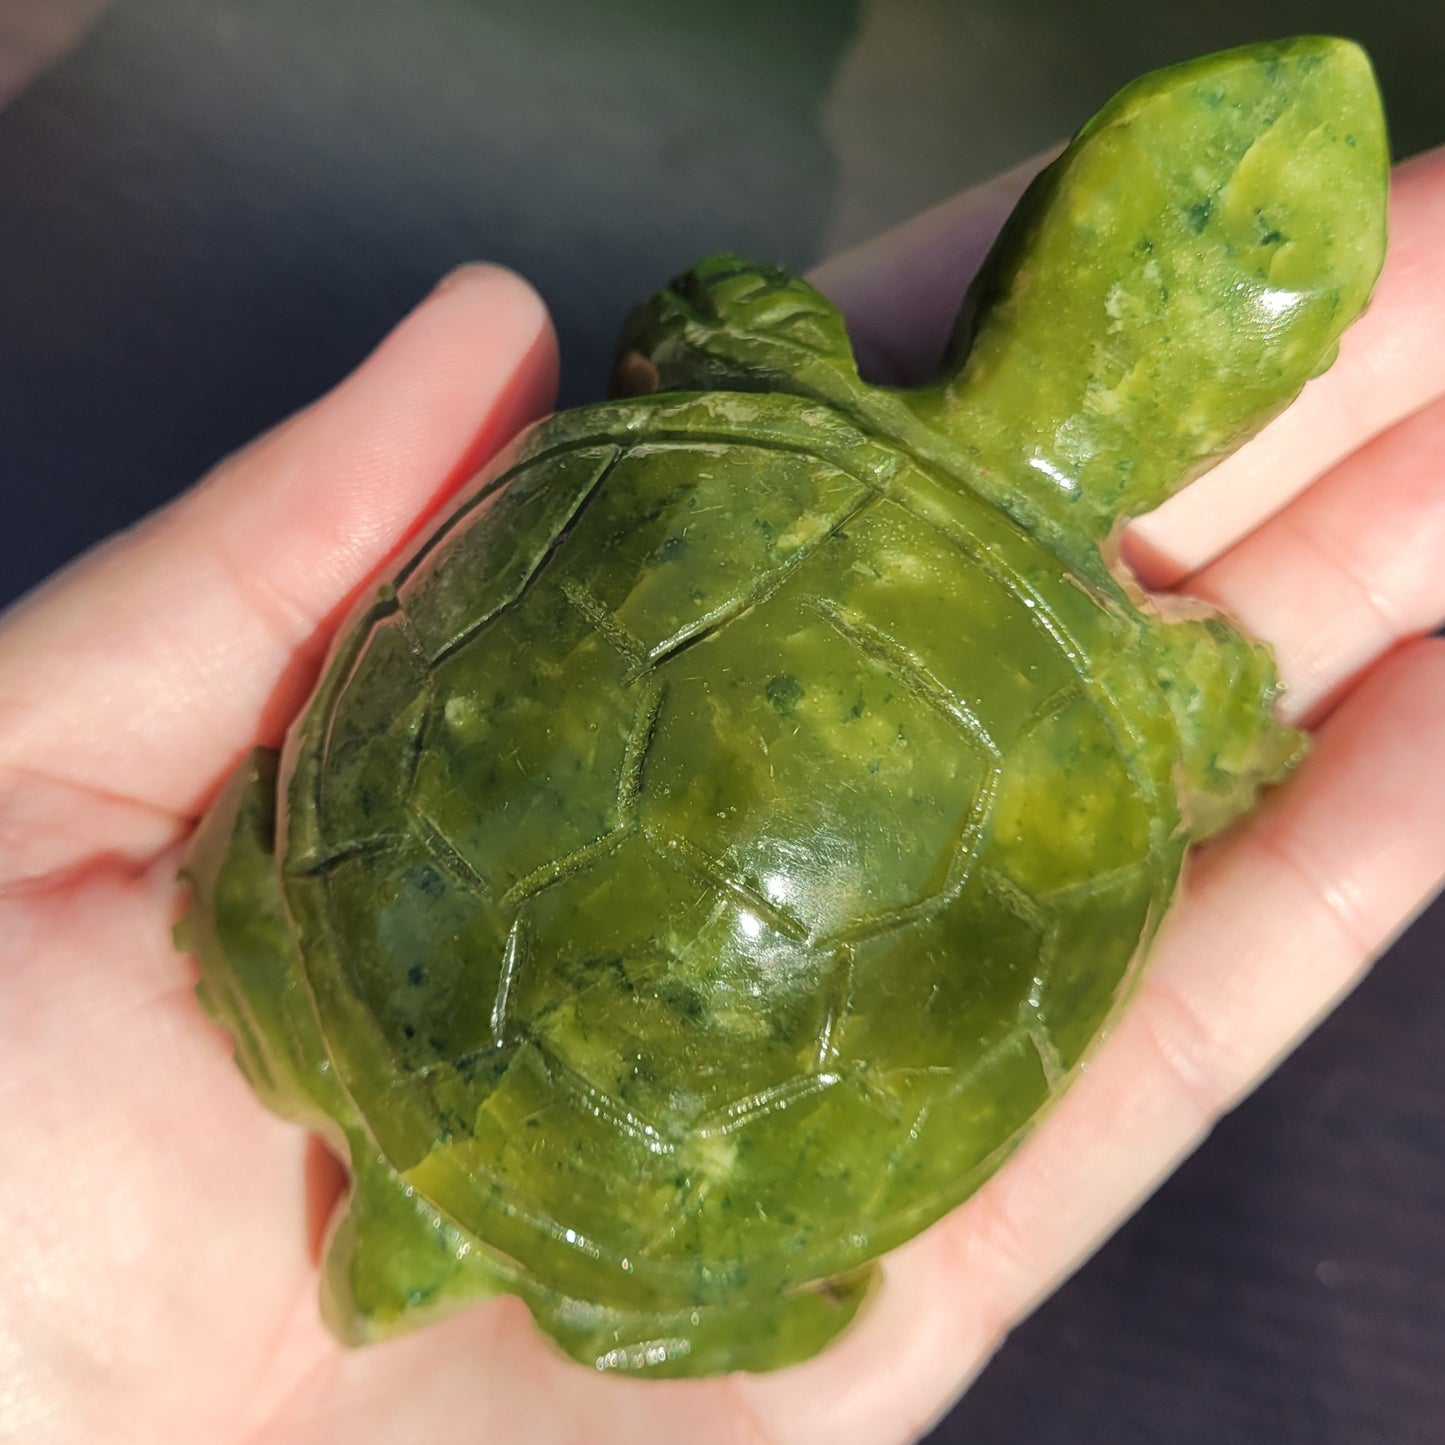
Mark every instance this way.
x=251 y=982
x=393 y=1261
x=758 y=1334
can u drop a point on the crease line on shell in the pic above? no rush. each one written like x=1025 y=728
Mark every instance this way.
x=556 y=869
x=736 y=607
x=766 y=1101
x=601 y=1104
x=606 y=623
x=917 y=679
x=1044 y=617
x=440 y=847
x=584 y=500
x=960 y=869
x=634 y=759
x=485 y=493
x=711 y=870
x=513 y=955
x=319 y=867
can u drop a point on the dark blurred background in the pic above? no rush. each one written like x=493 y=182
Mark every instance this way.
x=209 y=210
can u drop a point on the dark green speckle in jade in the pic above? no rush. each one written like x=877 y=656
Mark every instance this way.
x=712 y=849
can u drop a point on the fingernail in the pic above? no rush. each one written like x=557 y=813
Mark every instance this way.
x=470 y=270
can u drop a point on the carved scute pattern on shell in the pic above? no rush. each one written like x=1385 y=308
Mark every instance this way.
x=695 y=855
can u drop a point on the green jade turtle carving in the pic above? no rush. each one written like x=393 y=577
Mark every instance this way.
x=712 y=849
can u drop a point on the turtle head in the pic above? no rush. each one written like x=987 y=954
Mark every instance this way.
x=1172 y=281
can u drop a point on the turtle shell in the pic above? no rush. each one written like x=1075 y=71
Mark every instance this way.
x=717 y=845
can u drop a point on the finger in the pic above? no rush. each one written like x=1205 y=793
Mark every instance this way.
x=1278 y=922
x=142 y=671
x=1347 y=570
x=901 y=292
x=1391 y=363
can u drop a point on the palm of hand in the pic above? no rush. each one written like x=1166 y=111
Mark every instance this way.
x=160 y=1283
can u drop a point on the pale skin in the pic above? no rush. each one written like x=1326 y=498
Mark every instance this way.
x=158 y=1280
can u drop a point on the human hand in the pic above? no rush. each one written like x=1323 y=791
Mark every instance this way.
x=159 y=1281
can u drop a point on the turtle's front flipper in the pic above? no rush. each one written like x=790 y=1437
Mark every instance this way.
x=1221 y=689
x=1169 y=284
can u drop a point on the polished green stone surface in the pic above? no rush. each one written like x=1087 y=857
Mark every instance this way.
x=708 y=854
